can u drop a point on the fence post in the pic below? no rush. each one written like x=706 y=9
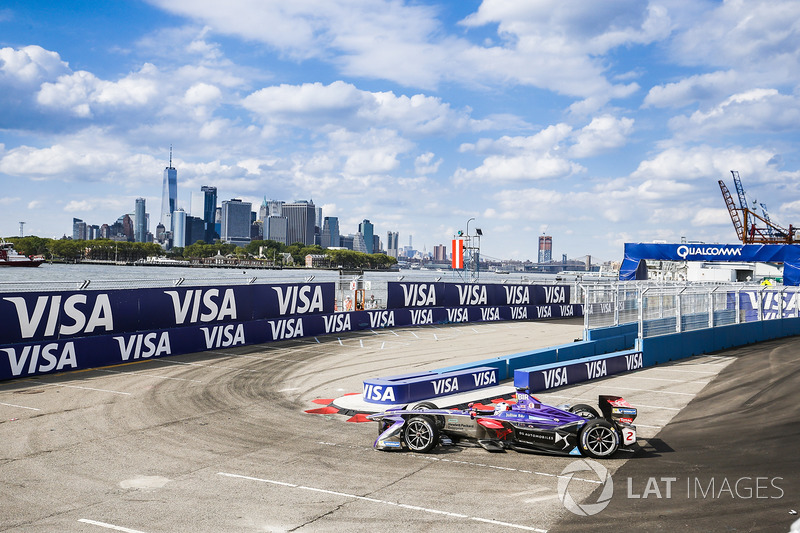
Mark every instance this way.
x=738 y=304
x=711 y=307
x=640 y=302
x=678 y=310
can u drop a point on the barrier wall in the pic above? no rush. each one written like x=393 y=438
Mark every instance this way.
x=56 y=331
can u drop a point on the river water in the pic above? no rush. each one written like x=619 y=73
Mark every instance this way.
x=94 y=276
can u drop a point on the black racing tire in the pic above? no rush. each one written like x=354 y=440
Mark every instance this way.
x=586 y=411
x=598 y=439
x=421 y=434
x=422 y=406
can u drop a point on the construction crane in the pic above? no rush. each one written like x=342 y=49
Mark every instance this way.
x=752 y=228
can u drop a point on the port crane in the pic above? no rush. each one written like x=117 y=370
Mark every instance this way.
x=752 y=228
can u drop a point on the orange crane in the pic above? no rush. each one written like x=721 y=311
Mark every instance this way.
x=752 y=228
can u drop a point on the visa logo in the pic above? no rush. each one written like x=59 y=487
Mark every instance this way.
x=297 y=300
x=337 y=323
x=421 y=316
x=193 y=301
x=519 y=313
x=381 y=319
x=596 y=369
x=223 y=336
x=143 y=345
x=457 y=315
x=517 y=295
x=490 y=313
x=484 y=379
x=544 y=311
x=288 y=328
x=472 y=294
x=555 y=377
x=555 y=295
x=79 y=318
x=41 y=358
x=377 y=393
x=634 y=361
x=419 y=294
x=443 y=386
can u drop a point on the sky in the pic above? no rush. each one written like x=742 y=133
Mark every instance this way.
x=598 y=123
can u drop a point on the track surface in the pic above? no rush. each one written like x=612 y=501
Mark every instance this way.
x=219 y=441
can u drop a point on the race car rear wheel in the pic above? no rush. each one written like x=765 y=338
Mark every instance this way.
x=584 y=410
x=598 y=439
x=421 y=434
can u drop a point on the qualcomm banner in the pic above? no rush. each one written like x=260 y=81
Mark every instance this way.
x=404 y=295
x=636 y=253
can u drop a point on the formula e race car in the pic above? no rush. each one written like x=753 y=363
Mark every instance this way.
x=526 y=426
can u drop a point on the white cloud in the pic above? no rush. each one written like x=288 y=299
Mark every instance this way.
x=601 y=135
x=424 y=164
x=711 y=217
x=79 y=206
x=30 y=65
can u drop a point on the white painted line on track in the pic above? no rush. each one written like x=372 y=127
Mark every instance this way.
x=382 y=345
x=384 y=502
x=144 y=374
x=417 y=336
x=20 y=406
x=288 y=390
x=82 y=388
x=435 y=337
x=361 y=342
x=108 y=526
x=340 y=341
x=687 y=371
x=316 y=339
x=214 y=366
x=638 y=425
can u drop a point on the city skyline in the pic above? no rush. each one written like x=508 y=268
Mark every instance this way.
x=596 y=124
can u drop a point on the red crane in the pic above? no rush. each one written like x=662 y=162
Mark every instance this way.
x=752 y=228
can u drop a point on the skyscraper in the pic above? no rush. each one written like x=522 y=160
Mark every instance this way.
x=330 y=233
x=236 y=222
x=545 y=248
x=209 y=213
x=78 y=229
x=140 y=222
x=300 y=216
x=275 y=229
x=169 y=193
x=366 y=229
x=392 y=243
x=178 y=228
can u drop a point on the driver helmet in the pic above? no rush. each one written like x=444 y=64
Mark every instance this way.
x=500 y=407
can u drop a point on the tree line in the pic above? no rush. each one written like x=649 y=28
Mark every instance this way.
x=267 y=250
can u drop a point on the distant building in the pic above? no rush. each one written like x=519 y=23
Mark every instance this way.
x=317 y=261
x=366 y=229
x=78 y=229
x=346 y=241
x=330 y=233
x=377 y=246
x=275 y=229
x=236 y=222
x=195 y=230
x=169 y=193
x=358 y=243
x=300 y=218
x=140 y=221
x=392 y=243
x=440 y=253
x=545 y=249
x=127 y=227
x=210 y=213
x=179 y=228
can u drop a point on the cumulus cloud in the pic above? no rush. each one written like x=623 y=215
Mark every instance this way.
x=30 y=65
x=602 y=134
x=424 y=164
x=81 y=92
x=342 y=104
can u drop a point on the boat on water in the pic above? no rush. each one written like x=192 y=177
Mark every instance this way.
x=10 y=257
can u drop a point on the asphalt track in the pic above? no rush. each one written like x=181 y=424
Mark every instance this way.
x=220 y=441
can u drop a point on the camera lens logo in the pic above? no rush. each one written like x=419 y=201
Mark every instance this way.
x=565 y=483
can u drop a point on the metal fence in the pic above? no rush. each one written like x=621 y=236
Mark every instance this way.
x=660 y=309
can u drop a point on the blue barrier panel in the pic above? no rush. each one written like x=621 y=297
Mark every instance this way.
x=612 y=331
x=544 y=356
x=499 y=363
x=575 y=350
x=425 y=387
x=559 y=374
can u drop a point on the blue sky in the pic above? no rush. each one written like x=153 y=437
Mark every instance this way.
x=598 y=123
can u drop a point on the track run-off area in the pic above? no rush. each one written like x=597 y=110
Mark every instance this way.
x=220 y=441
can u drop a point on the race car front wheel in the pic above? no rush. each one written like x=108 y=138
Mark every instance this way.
x=421 y=434
x=598 y=439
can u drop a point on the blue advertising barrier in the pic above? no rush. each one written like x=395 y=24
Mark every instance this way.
x=637 y=253
x=405 y=295
x=544 y=377
x=407 y=388
x=109 y=343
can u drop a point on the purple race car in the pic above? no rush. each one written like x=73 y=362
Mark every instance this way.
x=526 y=426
